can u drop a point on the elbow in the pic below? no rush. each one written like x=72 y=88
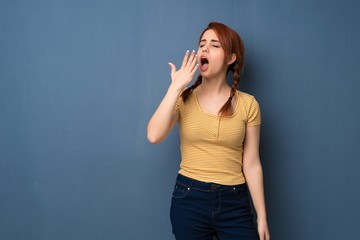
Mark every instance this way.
x=155 y=135
x=153 y=138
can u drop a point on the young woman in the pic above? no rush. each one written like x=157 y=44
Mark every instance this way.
x=219 y=140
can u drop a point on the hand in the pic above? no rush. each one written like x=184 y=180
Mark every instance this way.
x=263 y=230
x=185 y=74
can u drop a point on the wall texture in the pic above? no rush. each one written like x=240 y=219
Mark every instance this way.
x=80 y=79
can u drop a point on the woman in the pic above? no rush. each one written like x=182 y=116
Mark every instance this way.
x=219 y=139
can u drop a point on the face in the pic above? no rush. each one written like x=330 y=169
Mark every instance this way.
x=211 y=55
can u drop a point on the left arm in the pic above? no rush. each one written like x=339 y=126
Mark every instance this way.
x=254 y=178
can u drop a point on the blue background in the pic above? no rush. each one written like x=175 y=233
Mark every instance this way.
x=79 y=81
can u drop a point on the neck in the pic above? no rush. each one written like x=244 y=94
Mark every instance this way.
x=214 y=86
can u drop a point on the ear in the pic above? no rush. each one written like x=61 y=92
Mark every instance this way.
x=231 y=59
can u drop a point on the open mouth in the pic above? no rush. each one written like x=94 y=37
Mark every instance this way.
x=204 y=63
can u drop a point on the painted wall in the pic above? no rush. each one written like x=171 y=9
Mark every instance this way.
x=79 y=81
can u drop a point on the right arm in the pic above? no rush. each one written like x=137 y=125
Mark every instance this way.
x=165 y=116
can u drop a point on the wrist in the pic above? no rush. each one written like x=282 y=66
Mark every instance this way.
x=175 y=89
x=261 y=218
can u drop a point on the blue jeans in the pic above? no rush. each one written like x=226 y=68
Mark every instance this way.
x=200 y=211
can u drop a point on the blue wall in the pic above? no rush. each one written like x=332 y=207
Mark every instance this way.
x=80 y=79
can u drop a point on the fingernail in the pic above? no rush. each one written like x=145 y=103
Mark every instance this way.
x=187 y=50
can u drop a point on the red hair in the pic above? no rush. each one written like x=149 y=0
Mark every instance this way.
x=231 y=43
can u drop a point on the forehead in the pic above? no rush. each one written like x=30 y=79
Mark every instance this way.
x=209 y=34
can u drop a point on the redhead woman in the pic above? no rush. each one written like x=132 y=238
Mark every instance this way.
x=219 y=128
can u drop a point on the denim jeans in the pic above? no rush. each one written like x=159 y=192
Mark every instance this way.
x=200 y=211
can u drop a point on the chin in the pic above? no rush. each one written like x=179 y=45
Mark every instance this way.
x=204 y=73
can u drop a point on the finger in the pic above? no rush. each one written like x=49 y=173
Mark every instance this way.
x=192 y=57
x=267 y=236
x=185 y=59
x=261 y=235
x=193 y=61
x=194 y=69
x=173 y=68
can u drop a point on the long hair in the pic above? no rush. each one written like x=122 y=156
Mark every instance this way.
x=231 y=43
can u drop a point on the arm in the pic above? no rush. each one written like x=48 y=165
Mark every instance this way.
x=254 y=177
x=165 y=116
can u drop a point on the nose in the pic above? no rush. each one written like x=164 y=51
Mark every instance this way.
x=204 y=50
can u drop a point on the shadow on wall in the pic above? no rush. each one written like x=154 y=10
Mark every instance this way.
x=270 y=148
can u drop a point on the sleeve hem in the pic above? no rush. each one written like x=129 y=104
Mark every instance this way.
x=253 y=124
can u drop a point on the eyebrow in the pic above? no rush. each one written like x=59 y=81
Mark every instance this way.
x=212 y=40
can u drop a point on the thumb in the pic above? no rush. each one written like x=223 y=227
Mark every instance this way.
x=173 y=68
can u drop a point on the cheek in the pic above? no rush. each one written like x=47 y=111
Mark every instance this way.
x=198 y=57
x=222 y=57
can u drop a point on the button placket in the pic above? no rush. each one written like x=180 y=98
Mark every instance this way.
x=216 y=128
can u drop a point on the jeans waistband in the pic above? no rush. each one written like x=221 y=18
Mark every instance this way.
x=203 y=186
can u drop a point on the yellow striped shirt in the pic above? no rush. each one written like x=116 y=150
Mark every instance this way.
x=212 y=147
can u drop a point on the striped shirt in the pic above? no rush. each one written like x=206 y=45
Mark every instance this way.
x=212 y=147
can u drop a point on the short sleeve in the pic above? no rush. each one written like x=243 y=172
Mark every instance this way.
x=254 y=115
x=179 y=103
x=178 y=106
